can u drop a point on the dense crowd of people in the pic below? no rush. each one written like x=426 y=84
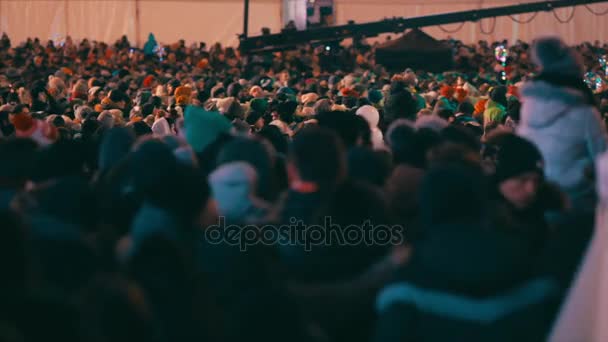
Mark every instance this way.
x=144 y=191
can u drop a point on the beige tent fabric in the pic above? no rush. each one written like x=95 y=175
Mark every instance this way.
x=104 y=20
x=221 y=20
x=210 y=21
x=584 y=314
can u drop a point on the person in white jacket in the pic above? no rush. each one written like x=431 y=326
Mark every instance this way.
x=559 y=116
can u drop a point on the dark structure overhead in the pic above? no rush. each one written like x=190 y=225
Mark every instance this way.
x=416 y=50
x=289 y=39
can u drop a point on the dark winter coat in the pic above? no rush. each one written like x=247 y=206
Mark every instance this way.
x=466 y=283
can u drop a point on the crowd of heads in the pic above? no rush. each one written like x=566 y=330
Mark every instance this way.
x=119 y=163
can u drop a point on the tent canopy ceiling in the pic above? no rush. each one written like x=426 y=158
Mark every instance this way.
x=415 y=49
x=413 y=39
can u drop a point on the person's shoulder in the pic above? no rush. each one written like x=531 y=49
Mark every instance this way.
x=544 y=91
x=586 y=113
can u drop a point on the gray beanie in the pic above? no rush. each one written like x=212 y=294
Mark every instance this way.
x=553 y=56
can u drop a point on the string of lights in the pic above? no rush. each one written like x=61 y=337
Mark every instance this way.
x=526 y=21
x=532 y=17
x=566 y=21
x=490 y=31
x=590 y=9
x=452 y=31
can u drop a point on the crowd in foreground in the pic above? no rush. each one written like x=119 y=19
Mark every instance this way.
x=117 y=162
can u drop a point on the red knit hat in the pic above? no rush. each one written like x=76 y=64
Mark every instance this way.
x=461 y=95
x=148 y=81
x=23 y=122
x=447 y=91
x=513 y=91
x=349 y=92
x=38 y=130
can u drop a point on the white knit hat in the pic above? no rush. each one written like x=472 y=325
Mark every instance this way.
x=161 y=127
x=370 y=114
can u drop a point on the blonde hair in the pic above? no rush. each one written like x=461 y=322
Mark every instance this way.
x=56 y=86
x=24 y=96
x=80 y=87
x=106 y=118
x=423 y=112
x=117 y=115
x=149 y=120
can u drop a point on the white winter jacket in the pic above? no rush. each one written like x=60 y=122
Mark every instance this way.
x=569 y=133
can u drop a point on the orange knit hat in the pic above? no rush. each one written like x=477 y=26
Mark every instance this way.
x=183 y=91
x=106 y=103
x=183 y=95
x=67 y=71
x=135 y=119
x=480 y=106
x=203 y=63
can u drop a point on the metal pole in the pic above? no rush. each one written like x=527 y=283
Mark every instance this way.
x=246 y=20
x=137 y=25
x=67 y=19
x=287 y=40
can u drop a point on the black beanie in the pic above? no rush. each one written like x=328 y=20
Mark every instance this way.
x=123 y=73
x=253 y=117
x=447 y=191
x=499 y=94
x=175 y=83
x=234 y=89
x=117 y=96
x=516 y=156
x=147 y=109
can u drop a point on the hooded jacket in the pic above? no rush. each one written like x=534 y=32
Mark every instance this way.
x=150 y=45
x=372 y=116
x=568 y=132
x=233 y=187
x=114 y=147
